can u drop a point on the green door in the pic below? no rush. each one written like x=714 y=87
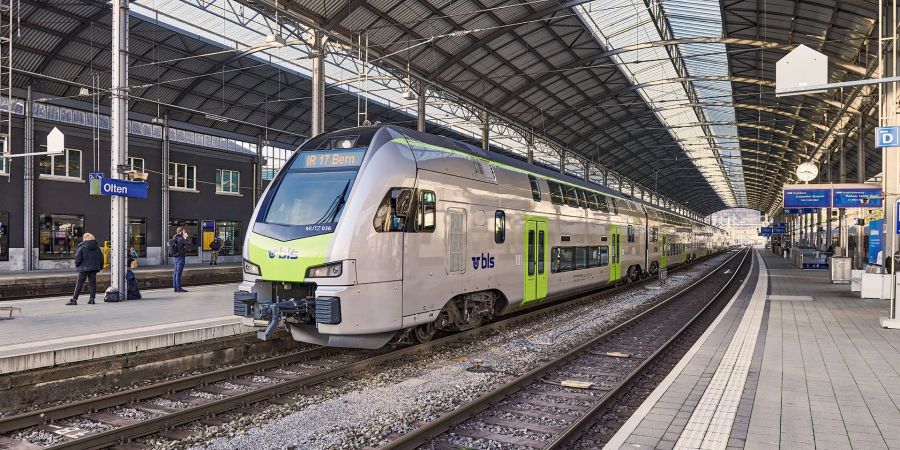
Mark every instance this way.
x=663 y=251
x=615 y=254
x=536 y=256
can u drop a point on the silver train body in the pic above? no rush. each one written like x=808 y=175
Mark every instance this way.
x=371 y=234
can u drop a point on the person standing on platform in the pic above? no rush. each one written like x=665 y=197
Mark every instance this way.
x=88 y=261
x=215 y=246
x=176 y=250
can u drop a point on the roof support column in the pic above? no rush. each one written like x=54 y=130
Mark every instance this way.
x=258 y=168
x=420 y=108
x=164 y=192
x=587 y=171
x=485 y=130
x=28 y=175
x=562 y=161
x=888 y=110
x=317 y=121
x=529 y=147
x=828 y=236
x=119 y=142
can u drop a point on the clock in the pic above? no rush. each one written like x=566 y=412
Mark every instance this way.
x=807 y=171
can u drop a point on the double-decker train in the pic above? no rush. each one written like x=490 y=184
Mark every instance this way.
x=376 y=233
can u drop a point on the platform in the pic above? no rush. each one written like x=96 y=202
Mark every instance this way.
x=41 y=283
x=794 y=362
x=49 y=333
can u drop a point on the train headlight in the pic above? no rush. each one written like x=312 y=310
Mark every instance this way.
x=251 y=268
x=329 y=270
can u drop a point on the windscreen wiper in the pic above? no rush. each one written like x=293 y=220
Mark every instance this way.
x=336 y=205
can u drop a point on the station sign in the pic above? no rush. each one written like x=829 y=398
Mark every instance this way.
x=856 y=197
x=876 y=241
x=123 y=188
x=807 y=198
x=887 y=137
x=801 y=210
x=769 y=231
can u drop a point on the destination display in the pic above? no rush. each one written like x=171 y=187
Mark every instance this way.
x=856 y=198
x=807 y=198
x=329 y=159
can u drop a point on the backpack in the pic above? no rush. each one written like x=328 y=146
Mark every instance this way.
x=173 y=247
x=215 y=245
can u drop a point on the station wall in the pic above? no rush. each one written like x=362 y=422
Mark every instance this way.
x=64 y=208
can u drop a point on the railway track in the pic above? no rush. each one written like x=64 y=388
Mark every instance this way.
x=164 y=408
x=550 y=405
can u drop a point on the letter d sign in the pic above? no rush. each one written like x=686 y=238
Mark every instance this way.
x=887 y=136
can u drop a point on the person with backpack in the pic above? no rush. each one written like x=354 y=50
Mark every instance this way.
x=176 y=250
x=215 y=246
x=88 y=261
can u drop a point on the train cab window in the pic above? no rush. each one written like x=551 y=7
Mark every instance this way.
x=604 y=256
x=593 y=256
x=425 y=217
x=581 y=254
x=556 y=192
x=630 y=233
x=571 y=196
x=535 y=188
x=500 y=227
x=393 y=211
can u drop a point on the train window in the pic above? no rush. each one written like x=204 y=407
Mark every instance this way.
x=604 y=256
x=571 y=196
x=581 y=257
x=654 y=234
x=535 y=188
x=530 y=252
x=582 y=198
x=500 y=227
x=566 y=258
x=593 y=204
x=554 y=260
x=593 y=256
x=630 y=233
x=425 y=217
x=393 y=211
x=601 y=201
x=540 y=255
x=556 y=192
x=615 y=208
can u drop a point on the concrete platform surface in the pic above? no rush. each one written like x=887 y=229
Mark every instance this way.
x=42 y=283
x=51 y=333
x=794 y=362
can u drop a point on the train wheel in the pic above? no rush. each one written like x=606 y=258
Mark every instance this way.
x=424 y=333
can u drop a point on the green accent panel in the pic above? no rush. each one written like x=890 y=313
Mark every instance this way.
x=310 y=251
x=615 y=253
x=536 y=282
x=662 y=254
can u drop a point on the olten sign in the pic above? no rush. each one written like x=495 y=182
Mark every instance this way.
x=123 y=188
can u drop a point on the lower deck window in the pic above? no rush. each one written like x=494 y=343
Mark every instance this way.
x=60 y=235
x=581 y=257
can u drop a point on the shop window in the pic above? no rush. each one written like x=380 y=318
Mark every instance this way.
x=182 y=176
x=230 y=235
x=137 y=235
x=4 y=236
x=228 y=181
x=500 y=227
x=192 y=226
x=67 y=164
x=535 y=188
x=60 y=235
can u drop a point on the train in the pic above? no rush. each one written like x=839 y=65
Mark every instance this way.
x=377 y=234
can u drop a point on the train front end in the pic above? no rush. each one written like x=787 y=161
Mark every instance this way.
x=310 y=262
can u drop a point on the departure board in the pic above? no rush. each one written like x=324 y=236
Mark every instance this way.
x=329 y=159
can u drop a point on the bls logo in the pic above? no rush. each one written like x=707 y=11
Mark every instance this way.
x=487 y=262
x=283 y=253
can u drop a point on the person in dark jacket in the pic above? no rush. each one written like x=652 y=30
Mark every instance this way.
x=88 y=261
x=180 y=238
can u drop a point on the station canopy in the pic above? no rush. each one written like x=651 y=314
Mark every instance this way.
x=677 y=96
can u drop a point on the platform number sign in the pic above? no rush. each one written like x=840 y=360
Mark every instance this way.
x=887 y=137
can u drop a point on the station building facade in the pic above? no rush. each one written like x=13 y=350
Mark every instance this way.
x=212 y=184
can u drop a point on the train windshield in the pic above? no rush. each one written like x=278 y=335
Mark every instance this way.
x=314 y=187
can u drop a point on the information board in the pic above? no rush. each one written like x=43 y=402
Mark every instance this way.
x=853 y=198
x=875 y=241
x=807 y=198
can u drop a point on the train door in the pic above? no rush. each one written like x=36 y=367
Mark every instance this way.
x=615 y=253
x=664 y=251
x=536 y=256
